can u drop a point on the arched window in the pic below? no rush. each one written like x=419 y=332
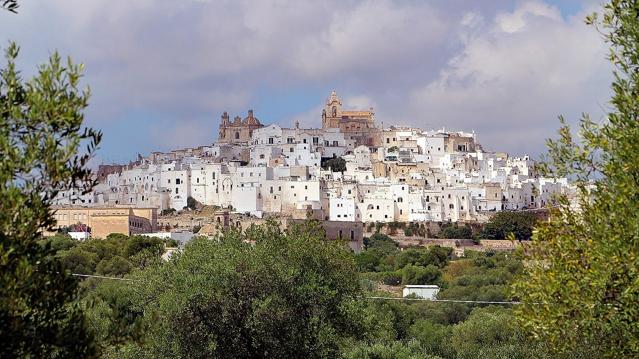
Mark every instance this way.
x=400 y=199
x=451 y=206
x=237 y=135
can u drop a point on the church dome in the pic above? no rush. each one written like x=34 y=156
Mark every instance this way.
x=250 y=119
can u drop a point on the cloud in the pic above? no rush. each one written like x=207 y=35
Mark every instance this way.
x=158 y=67
x=515 y=74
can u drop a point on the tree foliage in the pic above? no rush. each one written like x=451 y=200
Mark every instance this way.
x=582 y=287
x=454 y=231
x=263 y=293
x=40 y=135
x=335 y=164
x=505 y=223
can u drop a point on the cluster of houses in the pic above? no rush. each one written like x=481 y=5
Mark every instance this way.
x=348 y=170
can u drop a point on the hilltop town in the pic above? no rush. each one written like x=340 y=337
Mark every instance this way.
x=349 y=170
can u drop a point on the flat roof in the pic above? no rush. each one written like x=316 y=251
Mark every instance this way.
x=429 y=286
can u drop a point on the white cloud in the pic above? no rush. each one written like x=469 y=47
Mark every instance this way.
x=465 y=65
x=512 y=78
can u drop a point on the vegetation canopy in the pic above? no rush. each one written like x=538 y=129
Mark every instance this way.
x=40 y=135
x=581 y=287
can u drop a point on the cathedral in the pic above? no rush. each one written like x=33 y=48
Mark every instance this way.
x=357 y=125
x=238 y=131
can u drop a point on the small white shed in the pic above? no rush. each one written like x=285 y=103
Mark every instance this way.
x=421 y=291
x=80 y=236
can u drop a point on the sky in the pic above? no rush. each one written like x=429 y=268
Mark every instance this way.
x=161 y=72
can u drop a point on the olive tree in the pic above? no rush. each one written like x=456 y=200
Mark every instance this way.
x=40 y=134
x=265 y=293
x=581 y=288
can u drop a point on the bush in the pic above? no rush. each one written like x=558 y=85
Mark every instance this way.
x=392 y=278
x=191 y=203
x=453 y=231
x=502 y=224
x=382 y=242
x=336 y=164
x=433 y=338
x=168 y=211
x=116 y=266
x=412 y=274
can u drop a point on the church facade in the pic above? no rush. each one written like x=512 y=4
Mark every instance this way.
x=358 y=125
x=238 y=130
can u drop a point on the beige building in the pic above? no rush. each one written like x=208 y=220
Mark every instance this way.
x=103 y=221
x=238 y=131
x=398 y=172
x=356 y=125
x=456 y=142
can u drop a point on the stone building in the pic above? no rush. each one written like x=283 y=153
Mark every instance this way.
x=103 y=221
x=238 y=131
x=358 y=125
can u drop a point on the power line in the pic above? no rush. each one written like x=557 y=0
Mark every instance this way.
x=446 y=300
x=102 y=277
x=382 y=298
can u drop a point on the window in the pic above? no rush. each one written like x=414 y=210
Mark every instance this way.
x=451 y=206
x=315 y=140
x=197 y=180
x=177 y=181
x=335 y=143
x=237 y=135
x=177 y=190
x=289 y=140
x=270 y=140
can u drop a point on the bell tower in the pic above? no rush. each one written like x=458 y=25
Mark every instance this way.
x=332 y=112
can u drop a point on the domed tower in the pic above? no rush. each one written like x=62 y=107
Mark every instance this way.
x=238 y=130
